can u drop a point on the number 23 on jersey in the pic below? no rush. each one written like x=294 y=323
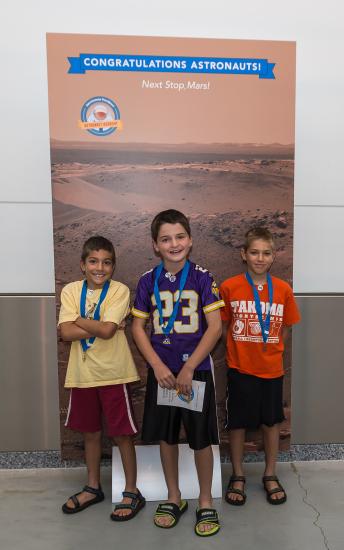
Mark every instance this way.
x=188 y=309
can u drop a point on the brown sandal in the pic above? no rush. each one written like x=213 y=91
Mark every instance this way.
x=137 y=503
x=270 y=492
x=230 y=489
x=98 y=497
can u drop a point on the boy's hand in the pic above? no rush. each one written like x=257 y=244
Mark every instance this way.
x=165 y=377
x=122 y=325
x=184 y=380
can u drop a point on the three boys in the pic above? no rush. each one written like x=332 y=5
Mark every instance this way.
x=183 y=303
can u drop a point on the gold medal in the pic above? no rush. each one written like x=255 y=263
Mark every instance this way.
x=89 y=314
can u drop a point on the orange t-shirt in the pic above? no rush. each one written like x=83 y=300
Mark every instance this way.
x=245 y=349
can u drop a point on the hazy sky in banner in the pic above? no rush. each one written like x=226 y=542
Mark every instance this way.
x=235 y=108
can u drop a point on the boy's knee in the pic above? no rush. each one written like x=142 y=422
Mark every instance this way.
x=203 y=450
x=274 y=427
x=120 y=439
x=93 y=436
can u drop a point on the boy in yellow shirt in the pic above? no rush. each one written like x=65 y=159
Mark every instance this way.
x=99 y=368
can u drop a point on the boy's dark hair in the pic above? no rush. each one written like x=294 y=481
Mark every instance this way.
x=258 y=233
x=169 y=216
x=98 y=243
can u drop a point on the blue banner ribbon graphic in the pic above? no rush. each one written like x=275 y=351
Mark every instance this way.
x=164 y=64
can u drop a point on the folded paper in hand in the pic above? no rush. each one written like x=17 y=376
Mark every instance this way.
x=173 y=398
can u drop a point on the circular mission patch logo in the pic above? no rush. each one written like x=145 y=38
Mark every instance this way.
x=186 y=398
x=100 y=116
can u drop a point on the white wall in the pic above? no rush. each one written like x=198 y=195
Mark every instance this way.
x=25 y=194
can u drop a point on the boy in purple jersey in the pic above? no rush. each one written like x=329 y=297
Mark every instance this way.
x=182 y=300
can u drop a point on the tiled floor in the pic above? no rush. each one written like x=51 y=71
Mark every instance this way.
x=311 y=519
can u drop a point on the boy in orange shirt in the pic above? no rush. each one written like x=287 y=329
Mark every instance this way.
x=257 y=317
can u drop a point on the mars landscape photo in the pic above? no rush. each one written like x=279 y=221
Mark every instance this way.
x=116 y=189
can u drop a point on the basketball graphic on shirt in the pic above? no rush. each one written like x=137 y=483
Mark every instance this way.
x=255 y=328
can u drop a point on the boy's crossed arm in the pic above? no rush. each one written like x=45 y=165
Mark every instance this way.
x=100 y=329
x=87 y=328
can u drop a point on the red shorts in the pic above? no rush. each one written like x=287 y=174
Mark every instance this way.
x=89 y=406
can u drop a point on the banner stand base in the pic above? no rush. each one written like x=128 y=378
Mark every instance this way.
x=150 y=477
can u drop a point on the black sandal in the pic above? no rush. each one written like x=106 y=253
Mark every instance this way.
x=172 y=510
x=137 y=503
x=231 y=489
x=99 y=497
x=207 y=516
x=270 y=492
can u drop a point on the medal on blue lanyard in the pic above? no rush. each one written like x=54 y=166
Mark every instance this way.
x=96 y=316
x=264 y=325
x=167 y=327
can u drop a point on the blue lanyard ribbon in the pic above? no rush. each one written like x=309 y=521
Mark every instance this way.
x=96 y=316
x=264 y=325
x=167 y=329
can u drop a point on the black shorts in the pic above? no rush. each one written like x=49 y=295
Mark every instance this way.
x=253 y=401
x=163 y=423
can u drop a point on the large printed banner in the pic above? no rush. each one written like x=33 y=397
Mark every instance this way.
x=142 y=124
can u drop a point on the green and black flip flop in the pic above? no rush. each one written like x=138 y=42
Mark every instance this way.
x=171 y=510
x=207 y=516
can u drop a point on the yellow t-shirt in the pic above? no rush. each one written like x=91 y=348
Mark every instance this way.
x=107 y=361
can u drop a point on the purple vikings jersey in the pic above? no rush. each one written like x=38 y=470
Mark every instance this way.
x=200 y=296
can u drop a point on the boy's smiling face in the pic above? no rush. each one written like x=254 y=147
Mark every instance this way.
x=98 y=268
x=173 y=245
x=259 y=257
